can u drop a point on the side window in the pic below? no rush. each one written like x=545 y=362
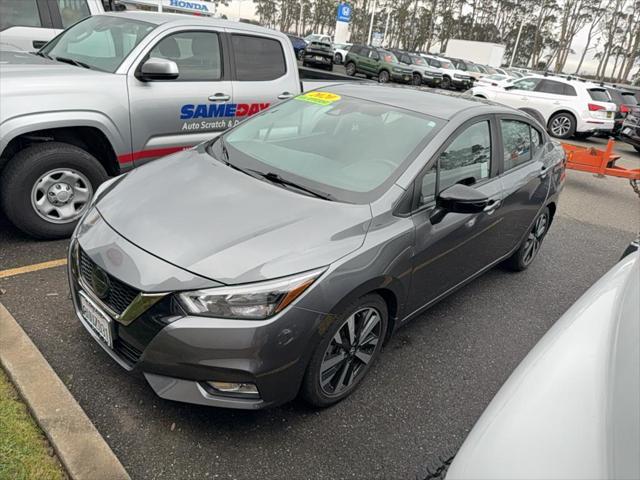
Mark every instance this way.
x=516 y=139
x=569 y=90
x=258 y=58
x=526 y=84
x=549 y=86
x=22 y=13
x=536 y=139
x=72 y=11
x=374 y=55
x=466 y=160
x=197 y=55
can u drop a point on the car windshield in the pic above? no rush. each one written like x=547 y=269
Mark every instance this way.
x=417 y=60
x=388 y=57
x=446 y=64
x=99 y=42
x=472 y=68
x=348 y=148
x=313 y=38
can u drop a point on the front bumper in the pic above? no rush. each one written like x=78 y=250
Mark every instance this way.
x=178 y=353
x=630 y=131
x=318 y=58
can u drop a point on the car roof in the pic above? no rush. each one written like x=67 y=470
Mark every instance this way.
x=440 y=104
x=180 y=19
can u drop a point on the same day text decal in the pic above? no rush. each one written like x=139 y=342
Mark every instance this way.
x=217 y=116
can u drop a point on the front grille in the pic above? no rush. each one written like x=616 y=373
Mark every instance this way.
x=117 y=297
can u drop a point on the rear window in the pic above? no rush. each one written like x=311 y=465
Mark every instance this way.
x=629 y=99
x=258 y=58
x=599 y=95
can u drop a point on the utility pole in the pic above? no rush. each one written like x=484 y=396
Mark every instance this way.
x=300 y=31
x=373 y=14
x=515 y=48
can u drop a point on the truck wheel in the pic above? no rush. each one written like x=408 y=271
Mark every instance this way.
x=47 y=187
x=637 y=149
x=416 y=79
x=446 y=83
x=350 y=69
x=562 y=125
x=337 y=58
x=383 y=76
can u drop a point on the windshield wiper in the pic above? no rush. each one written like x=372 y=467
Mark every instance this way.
x=71 y=61
x=275 y=178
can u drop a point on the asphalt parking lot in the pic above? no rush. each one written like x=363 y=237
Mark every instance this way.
x=433 y=381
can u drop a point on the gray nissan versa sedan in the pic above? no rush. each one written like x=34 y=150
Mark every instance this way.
x=279 y=257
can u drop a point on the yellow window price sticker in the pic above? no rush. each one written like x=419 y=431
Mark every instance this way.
x=319 y=98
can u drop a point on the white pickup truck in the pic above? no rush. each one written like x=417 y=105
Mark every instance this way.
x=119 y=89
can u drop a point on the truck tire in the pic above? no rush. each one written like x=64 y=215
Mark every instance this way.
x=416 y=79
x=637 y=149
x=384 y=76
x=446 y=83
x=39 y=184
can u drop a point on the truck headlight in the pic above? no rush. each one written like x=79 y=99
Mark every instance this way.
x=255 y=301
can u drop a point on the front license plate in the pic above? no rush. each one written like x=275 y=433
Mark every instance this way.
x=319 y=58
x=626 y=131
x=99 y=321
x=406 y=78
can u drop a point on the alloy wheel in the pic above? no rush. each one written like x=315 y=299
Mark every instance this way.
x=61 y=195
x=350 y=350
x=560 y=126
x=534 y=240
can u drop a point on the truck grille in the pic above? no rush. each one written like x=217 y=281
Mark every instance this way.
x=115 y=294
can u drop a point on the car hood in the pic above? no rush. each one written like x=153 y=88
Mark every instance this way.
x=209 y=219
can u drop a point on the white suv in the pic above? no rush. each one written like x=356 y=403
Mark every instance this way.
x=451 y=76
x=566 y=107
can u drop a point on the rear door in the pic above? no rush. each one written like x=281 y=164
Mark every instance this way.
x=170 y=115
x=525 y=176
x=549 y=96
x=261 y=72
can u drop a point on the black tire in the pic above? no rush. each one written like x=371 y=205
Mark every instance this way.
x=637 y=149
x=583 y=135
x=23 y=172
x=300 y=54
x=384 y=76
x=566 y=125
x=446 y=83
x=337 y=58
x=312 y=390
x=520 y=260
x=416 y=80
x=329 y=67
x=350 y=69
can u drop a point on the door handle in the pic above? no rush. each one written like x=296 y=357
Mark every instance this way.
x=543 y=172
x=285 y=95
x=492 y=206
x=219 y=97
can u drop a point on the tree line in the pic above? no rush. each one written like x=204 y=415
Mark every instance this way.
x=548 y=27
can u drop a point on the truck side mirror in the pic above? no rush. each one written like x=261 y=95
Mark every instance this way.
x=158 y=69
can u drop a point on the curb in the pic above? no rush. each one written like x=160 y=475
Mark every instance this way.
x=79 y=446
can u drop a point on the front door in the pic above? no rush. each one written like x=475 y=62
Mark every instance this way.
x=518 y=94
x=449 y=252
x=263 y=74
x=170 y=115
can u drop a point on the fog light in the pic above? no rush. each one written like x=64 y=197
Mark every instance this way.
x=238 y=388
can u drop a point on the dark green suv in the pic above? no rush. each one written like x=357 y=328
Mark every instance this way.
x=376 y=62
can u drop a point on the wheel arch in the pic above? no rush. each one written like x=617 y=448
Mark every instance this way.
x=90 y=131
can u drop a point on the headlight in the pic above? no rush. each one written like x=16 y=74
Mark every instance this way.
x=456 y=75
x=255 y=301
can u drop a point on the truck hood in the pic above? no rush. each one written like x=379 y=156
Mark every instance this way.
x=209 y=219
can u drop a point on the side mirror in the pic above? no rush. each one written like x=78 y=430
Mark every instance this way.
x=510 y=87
x=458 y=198
x=158 y=69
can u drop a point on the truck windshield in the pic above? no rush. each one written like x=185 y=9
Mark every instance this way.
x=100 y=42
x=350 y=149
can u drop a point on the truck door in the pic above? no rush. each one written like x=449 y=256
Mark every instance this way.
x=170 y=115
x=25 y=25
x=263 y=73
